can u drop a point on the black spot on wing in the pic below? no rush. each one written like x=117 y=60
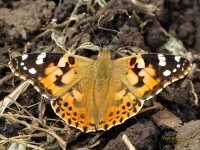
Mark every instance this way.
x=70 y=108
x=128 y=104
x=136 y=70
x=74 y=119
x=106 y=126
x=82 y=116
x=66 y=104
x=66 y=68
x=114 y=122
x=110 y=114
x=58 y=81
x=54 y=102
x=69 y=121
x=85 y=128
x=132 y=62
x=75 y=113
x=140 y=82
x=57 y=109
x=102 y=122
x=121 y=119
x=134 y=110
x=63 y=115
x=71 y=60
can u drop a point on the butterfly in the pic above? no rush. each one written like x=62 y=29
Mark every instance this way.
x=94 y=95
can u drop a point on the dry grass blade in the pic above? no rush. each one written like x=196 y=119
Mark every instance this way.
x=19 y=141
x=128 y=142
x=8 y=100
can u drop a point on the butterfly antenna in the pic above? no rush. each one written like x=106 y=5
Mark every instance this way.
x=60 y=1
x=92 y=29
x=120 y=30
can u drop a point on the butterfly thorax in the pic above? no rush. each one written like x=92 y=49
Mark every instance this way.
x=102 y=75
x=103 y=69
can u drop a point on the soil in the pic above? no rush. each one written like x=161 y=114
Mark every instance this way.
x=151 y=26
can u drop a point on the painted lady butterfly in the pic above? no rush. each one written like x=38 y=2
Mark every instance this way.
x=94 y=95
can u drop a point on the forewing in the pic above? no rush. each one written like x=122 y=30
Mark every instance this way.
x=147 y=74
x=52 y=74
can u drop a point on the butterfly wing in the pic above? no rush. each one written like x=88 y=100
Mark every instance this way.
x=141 y=77
x=76 y=106
x=66 y=78
x=52 y=74
x=146 y=75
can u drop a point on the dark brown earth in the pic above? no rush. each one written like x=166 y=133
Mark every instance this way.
x=152 y=24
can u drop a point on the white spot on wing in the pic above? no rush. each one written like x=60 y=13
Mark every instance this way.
x=24 y=68
x=25 y=56
x=39 y=61
x=32 y=71
x=162 y=63
x=174 y=70
x=162 y=60
x=160 y=55
x=178 y=65
x=166 y=73
x=16 y=61
x=177 y=58
x=41 y=56
x=22 y=64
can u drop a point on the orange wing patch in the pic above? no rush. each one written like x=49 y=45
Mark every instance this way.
x=126 y=106
x=59 y=75
x=70 y=108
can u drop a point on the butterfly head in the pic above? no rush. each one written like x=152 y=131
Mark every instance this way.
x=104 y=53
x=103 y=66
